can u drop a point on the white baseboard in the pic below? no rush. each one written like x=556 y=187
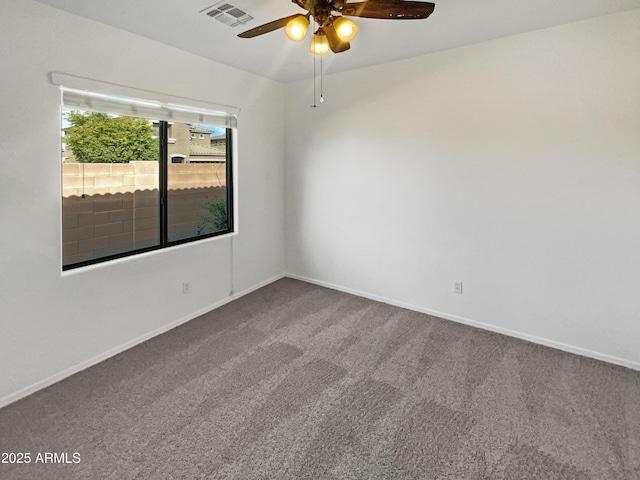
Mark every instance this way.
x=4 y=401
x=485 y=326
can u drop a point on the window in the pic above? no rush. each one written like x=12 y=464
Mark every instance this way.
x=126 y=189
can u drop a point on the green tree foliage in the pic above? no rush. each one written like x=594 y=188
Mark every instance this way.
x=99 y=138
x=215 y=220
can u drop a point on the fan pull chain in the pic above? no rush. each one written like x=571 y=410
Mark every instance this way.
x=314 y=83
x=321 y=95
x=314 y=73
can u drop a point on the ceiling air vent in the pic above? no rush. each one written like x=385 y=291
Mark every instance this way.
x=227 y=14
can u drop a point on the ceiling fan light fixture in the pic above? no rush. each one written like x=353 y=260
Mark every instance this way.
x=297 y=27
x=345 y=28
x=319 y=44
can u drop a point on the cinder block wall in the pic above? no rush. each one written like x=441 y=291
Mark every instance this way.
x=110 y=208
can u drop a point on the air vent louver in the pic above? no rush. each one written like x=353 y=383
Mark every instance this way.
x=228 y=14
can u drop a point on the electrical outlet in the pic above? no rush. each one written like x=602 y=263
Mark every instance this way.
x=457 y=287
x=186 y=288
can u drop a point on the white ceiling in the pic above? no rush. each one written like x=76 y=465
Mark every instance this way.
x=454 y=23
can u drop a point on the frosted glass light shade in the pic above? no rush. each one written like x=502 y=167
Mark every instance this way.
x=319 y=44
x=345 y=28
x=296 y=28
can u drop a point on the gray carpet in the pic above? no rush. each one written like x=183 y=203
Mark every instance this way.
x=299 y=381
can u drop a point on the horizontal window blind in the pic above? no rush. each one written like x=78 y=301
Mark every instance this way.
x=93 y=95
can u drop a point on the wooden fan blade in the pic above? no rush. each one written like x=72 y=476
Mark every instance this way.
x=389 y=9
x=268 y=27
x=335 y=44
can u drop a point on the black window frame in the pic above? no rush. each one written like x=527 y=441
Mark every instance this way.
x=163 y=170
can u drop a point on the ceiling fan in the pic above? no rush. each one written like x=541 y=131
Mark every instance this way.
x=334 y=30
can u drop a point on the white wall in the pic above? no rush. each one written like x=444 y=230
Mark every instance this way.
x=52 y=324
x=511 y=165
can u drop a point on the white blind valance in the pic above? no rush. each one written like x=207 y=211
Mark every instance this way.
x=87 y=94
